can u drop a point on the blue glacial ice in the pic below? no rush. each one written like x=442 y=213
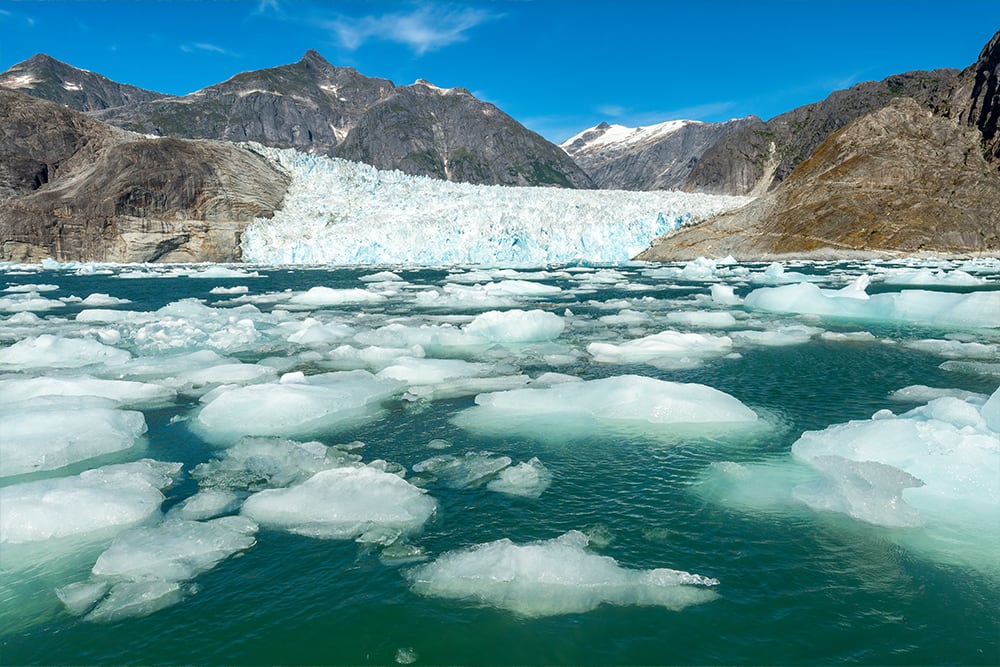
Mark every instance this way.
x=349 y=213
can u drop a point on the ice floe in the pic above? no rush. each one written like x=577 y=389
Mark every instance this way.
x=667 y=350
x=362 y=502
x=626 y=403
x=553 y=577
x=317 y=405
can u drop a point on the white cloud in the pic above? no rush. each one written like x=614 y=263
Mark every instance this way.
x=423 y=29
x=203 y=46
x=612 y=110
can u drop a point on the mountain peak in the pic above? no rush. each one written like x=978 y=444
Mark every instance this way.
x=313 y=57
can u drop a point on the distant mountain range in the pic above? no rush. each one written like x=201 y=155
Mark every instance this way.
x=907 y=164
x=314 y=106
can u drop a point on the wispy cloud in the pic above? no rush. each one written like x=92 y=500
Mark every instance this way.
x=423 y=29
x=612 y=110
x=16 y=19
x=209 y=48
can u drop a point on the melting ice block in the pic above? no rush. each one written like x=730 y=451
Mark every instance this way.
x=142 y=571
x=111 y=497
x=321 y=404
x=39 y=436
x=122 y=392
x=355 y=502
x=516 y=326
x=667 y=349
x=58 y=352
x=977 y=309
x=625 y=402
x=528 y=479
x=553 y=577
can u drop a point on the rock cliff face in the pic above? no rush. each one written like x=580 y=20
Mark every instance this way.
x=314 y=106
x=45 y=77
x=659 y=157
x=898 y=180
x=975 y=100
x=75 y=189
x=760 y=155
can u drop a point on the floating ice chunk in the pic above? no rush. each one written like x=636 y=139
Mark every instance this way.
x=235 y=289
x=668 y=349
x=207 y=504
x=775 y=274
x=322 y=405
x=176 y=550
x=921 y=393
x=220 y=272
x=529 y=479
x=233 y=373
x=462 y=472
x=553 y=577
x=22 y=289
x=930 y=277
x=981 y=368
x=381 y=277
x=422 y=371
x=313 y=332
x=626 y=317
x=358 y=502
x=124 y=393
x=467 y=386
x=144 y=567
x=866 y=490
x=51 y=351
x=516 y=326
x=99 y=299
x=165 y=368
x=42 y=437
x=319 y=296
x=626 y=402
x=991 y=412
x=948 y=444
x=794 y=334
x=702 y=318
x=28 y=302
x=111 y=497
x=258 y=463
x=849 y=336
x=977 y=309
x=725 y=295
x=956 y=349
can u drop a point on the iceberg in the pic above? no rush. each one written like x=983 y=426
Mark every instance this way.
x=553 y=577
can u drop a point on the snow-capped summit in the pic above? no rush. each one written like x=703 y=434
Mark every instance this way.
x=652 y=157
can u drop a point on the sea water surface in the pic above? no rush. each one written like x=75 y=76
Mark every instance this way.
x=702 y=463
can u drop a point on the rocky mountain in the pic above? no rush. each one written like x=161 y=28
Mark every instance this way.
x=75 y=189
x=45 y=77
x=314 y=106
x=656 y=157
x=900 y=179
x=760 y=155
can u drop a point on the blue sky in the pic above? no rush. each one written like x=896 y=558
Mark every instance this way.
x=558 y=66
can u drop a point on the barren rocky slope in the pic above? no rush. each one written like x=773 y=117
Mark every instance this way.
x=73 y=188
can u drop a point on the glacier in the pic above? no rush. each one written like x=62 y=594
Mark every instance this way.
x=348 y=213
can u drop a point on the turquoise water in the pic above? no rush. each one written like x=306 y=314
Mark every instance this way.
x=797 y=586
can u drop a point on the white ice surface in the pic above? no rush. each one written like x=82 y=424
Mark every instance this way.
x=50 y=351
x=552 y=577
x=38 y=435
x=627 y=403
x=111 y=497
x=349 y=213
x=667 y=349
x=321 y=404
x=355 y=502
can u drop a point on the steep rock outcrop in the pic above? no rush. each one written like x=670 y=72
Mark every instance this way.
x=74 y=189
x=975 y=99
x=760 y=155
x=900 y=180
x=659 y=157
